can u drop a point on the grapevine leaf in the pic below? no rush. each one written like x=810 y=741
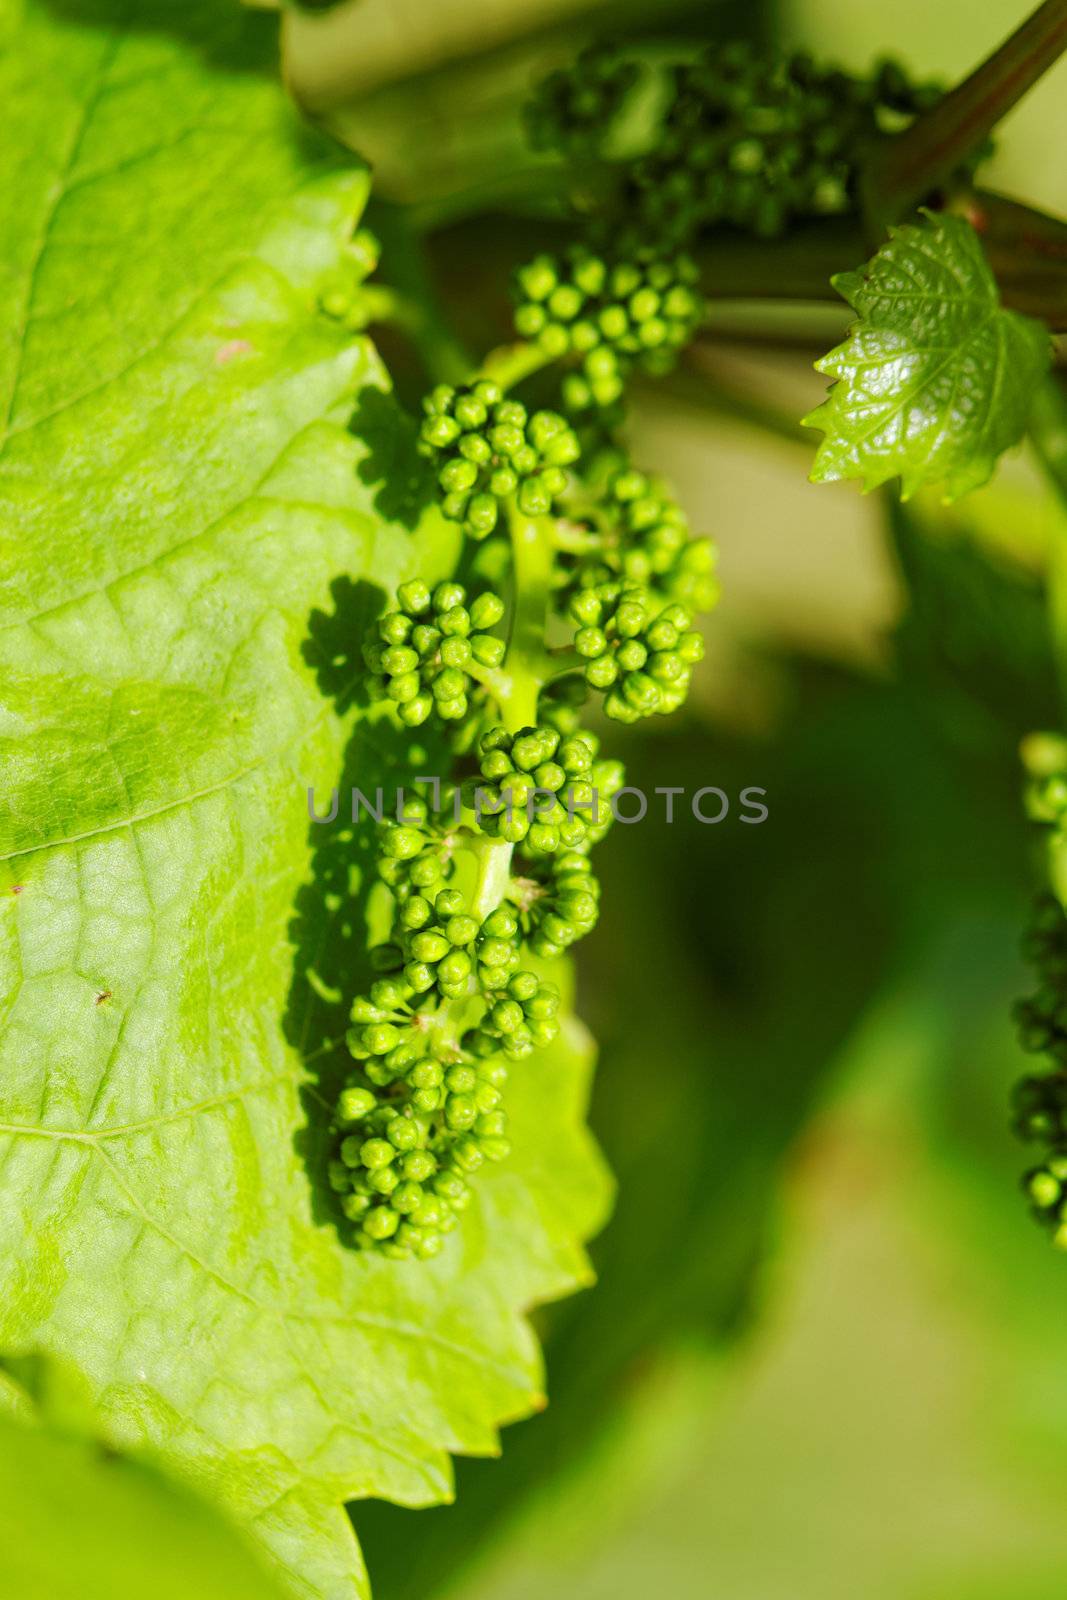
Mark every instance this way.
x=186 y=509
x=79 y=1521
x=936 y=379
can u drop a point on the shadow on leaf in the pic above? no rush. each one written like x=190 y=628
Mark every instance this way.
x=334 y=914
x=333 y=648
x=401 y=479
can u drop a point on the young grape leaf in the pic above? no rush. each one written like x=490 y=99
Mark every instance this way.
x=936 y=379
x=188 y=513
x=80 y=1521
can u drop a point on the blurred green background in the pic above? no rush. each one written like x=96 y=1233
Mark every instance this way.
x=827 y=1354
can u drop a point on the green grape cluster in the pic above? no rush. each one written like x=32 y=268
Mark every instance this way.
x=638 y=533
x=426 y=654
x=574 y=108
x=760 y=142
x=639 y=652
x=743 y=137
x=608 y=313
x=605 y=579
x=417 y=854
x=540 y=789
x=453 y=1002
x=493 y=449
x=422 y=1109
x=558 y=901
x=438 y=946
x=403 y=1162
x=523 y=1017
x=1039 y=1102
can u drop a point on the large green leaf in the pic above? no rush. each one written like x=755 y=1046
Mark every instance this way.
x=193 y=537
x=936 y=379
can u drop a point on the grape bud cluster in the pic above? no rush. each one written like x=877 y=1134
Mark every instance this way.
x=745 y=138
x=492 y=448
x=426 y=654
x=759 y=142
x=542 y=790
x=651 y=542
x=608 y=313
x=639 y=652
x=453 y=1003
x=638 y=534
x=574 y=108
x=422 y=1109
x=558 y=901
x=1039 y=1102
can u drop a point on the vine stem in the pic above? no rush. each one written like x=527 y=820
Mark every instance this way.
x=491 y=884
x=509 y=364
x=499 y=683
x=494 y=874
x=517 y=687
x=900 y=171
x=1027 y=250
x=532 y=542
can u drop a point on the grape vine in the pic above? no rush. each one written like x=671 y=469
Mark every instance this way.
x=740 y=136
x=593 y=580
x=606 y=580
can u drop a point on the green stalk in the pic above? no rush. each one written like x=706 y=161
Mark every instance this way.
x=527 y=660
x=494 y=874
x=495 y=679
x=517 y=687
x=900 y=171
x=491 y=884
x=509 y=364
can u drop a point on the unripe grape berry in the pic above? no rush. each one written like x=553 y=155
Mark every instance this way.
x=354 y=1104
x=381 y=1222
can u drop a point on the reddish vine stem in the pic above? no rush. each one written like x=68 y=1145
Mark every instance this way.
x=903 y=170
x=1027 y=250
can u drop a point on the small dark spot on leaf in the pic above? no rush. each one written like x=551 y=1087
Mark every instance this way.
x=102 y=995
